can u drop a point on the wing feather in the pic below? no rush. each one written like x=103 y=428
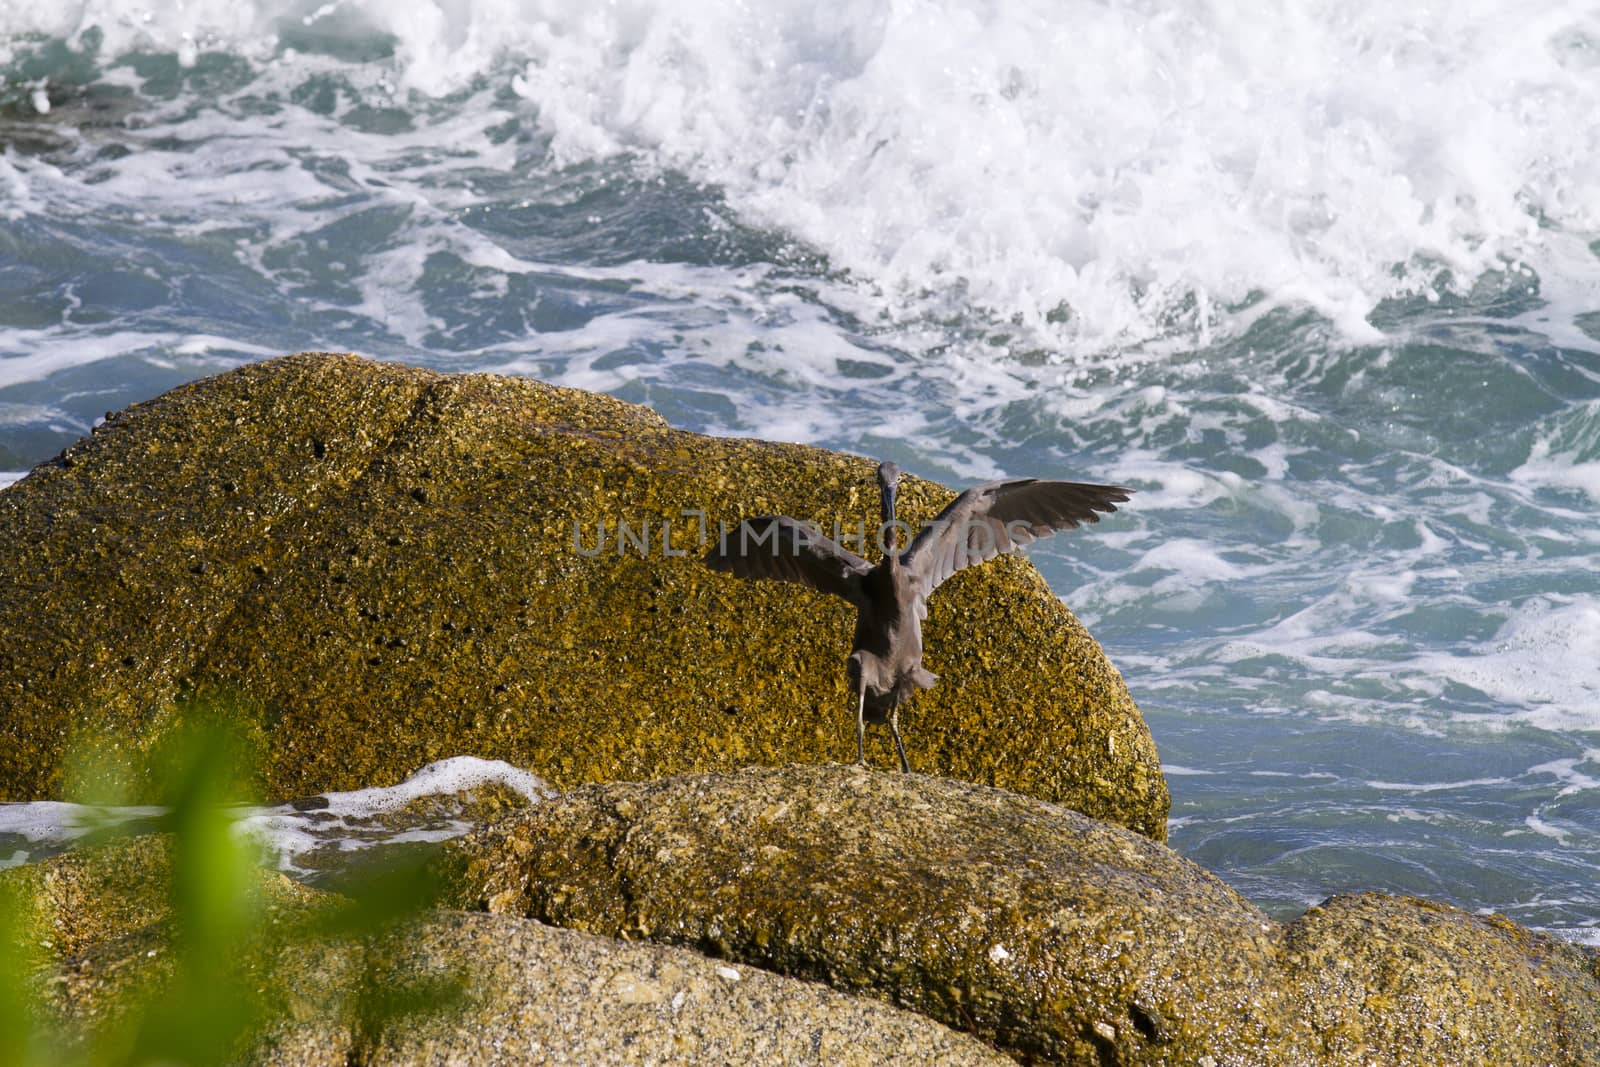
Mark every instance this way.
x=997 y=517
x=785 y=549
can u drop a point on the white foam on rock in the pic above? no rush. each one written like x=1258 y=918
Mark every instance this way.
x=48 y=826
x=287 y=833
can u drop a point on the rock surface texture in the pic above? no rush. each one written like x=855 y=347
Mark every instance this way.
x=535 y=994
x=1161 y=965
x=1383 y=979
x=89 y=897
x=375 y=566
x=531 y=993
x=1054 y=937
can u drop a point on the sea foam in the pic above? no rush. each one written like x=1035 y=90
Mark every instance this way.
x=1101 y=174
x=305 y=837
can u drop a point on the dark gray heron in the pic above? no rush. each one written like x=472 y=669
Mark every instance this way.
x=891 y=598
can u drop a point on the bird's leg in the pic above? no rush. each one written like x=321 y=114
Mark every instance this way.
x=894 y=728
x=861 y=726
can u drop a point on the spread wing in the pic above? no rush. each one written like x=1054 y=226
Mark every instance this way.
x=776 y=546
x=997 y=517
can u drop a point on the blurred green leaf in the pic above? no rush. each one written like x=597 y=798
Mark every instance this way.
x=20 y=1040
x=210 y=994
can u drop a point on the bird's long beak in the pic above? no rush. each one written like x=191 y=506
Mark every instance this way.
x=889 y=483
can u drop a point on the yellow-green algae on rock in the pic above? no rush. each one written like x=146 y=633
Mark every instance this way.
x=533 y=994
x=1054 y=937
x=1398 y=980
x=377 y=565
x=1057 y=938
x=540 y=995
x=94 y=896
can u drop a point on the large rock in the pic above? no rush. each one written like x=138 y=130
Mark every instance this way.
x=539 y=995
x=1055 y=937
x=92 y=896
x=373 y=567
x=531 y=994
x=1052 y=936
x=1402 y=981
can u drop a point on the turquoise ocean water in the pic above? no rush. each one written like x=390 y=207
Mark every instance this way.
x=1322 y=281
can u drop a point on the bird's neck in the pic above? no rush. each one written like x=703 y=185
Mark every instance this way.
x=890 y=487
x=890 y=536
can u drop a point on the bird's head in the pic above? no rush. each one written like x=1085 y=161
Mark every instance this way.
x=888 y=485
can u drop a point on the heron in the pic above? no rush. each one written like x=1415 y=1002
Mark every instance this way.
x=891 y=597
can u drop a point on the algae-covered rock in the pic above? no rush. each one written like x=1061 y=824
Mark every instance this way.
x=538 y=995
x=1401 y=981
x=96 y=895
x=1055 y=937
x=1059 y=938
x=88 y=896
x=498 y=989
x=509 y=990
x=1052 y=936
x=379 y=566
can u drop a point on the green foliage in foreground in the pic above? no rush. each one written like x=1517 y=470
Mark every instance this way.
x=216 y=997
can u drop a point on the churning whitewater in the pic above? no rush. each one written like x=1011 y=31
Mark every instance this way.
x=1320 y=281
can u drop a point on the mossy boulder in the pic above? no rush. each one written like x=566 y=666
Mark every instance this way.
x=1055 y=937
x=1403 y=981
x=502 y=989
x=93 y=896
x=374 y=566
x=539 y=995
